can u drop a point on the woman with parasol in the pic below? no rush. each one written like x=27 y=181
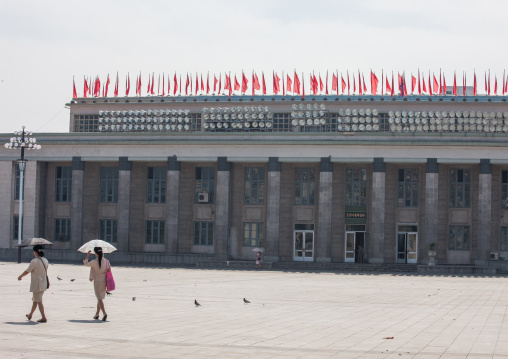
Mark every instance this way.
x=98 y=268
x=39 y=281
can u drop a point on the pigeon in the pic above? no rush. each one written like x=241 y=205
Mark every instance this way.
x=108 y=293
x=245 y=301
x=57 y=277
x=196 y=303
x=133 y=299
x=72 y=280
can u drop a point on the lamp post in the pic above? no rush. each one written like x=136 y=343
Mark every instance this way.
x=22 y=142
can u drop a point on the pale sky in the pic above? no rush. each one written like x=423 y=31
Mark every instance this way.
x=45 y=43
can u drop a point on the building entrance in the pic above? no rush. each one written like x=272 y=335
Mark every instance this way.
x=355 y=243
x=407 y=244
x=304 y=246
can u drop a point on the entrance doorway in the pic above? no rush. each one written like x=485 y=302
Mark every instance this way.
x=407 y=244
x=303 y=243
x=355 y=243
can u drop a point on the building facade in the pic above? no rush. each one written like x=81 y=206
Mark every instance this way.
x=324 y=179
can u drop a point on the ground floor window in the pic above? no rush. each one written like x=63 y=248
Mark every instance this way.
x=459 y=238
x=62 y=229
x=154 y=232
x=504 y=239
x=203 y=233
x=253 y=234
x=107 y=230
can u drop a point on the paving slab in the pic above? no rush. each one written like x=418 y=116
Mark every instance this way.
x=291 y=315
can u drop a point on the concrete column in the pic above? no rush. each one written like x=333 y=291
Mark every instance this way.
x=6 y=205
x=31 y=202
x=431 y=207
x=222 y=209
x=272 y=232
x=172 y=195
x=484 y=212
x=324 y=237
x=124 y=200
x=377 y=233
x=78 y=169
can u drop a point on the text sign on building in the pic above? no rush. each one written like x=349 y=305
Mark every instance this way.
x=356 y=215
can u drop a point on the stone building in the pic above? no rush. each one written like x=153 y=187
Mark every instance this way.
x=332 y=179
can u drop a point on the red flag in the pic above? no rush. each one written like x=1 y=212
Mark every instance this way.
x=354 y=84
x=485 y=81
x=215 y=83
x=424 y=87
x=495 y=85
x=475 y=86
x=85 y=88
x=488 y=88
x=187 y=85
x=159 y=84
x=137 y=84
x=255 y=82
x=444 y=85
x=202 y=85
x=419 y=84
x=220 y=83
x=454 y=84
x=151 y=88
x=237 y=84
x=321 y=86
x=207 y=83
x=373 y=83
x=343 y=84
x=327 y=82
x=105 y=93
x=127 y=85
x=226 y=85
x=276 y=85
x=388 y=87
x=148 y=88
x=244 y=83
x=393 y=88
x=314 y=84
x=464 y=84
x=364 y=87
x=163 y=86
x=115 y=93
x=196 y=89
x=97 y=87
x=413 y=83
x=230 y=86
x=289 y=84
x=440 y=87
x=74 y=92
x=175 y=87
x=264 y=83
x=436 y=86
x=296 y=87
x=283 y=87
x=348 y=86
x=335 y=83
x=303 y=87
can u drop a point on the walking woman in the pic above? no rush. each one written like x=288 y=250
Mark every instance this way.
x=98 y=269
x=39 y=281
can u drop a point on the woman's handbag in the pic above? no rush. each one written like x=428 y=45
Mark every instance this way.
x=47 y=279
x=110 y=282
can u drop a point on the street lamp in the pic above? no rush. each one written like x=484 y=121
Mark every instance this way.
x=22 y=142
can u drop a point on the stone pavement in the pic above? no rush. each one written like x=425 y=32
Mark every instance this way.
x=291 y=315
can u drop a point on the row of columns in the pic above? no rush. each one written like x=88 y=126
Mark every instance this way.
x=324 y=225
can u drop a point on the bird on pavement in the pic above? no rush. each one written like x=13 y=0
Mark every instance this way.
x=196 y=303
x=72 y=280
x=57 y=277
x=133 y=299
x=245 y=301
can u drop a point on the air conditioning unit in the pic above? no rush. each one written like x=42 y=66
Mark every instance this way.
x=494 y=256
x=203 y=197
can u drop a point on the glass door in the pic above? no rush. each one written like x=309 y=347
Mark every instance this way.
x=303 y=246
x=355 y=247
x=350 y=247
x=407 y=244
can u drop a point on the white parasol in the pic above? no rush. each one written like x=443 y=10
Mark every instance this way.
x=34 y=241
x=90 y=245
x=258 y=250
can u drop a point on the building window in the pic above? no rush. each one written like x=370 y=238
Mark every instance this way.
x=107 y=230
x=356 y=186
x=109 y=184
x=205 y=185
x=305 y=185
x=203 y=233
x=408 y=187
x=458 y=239
x=460 y=188
x=254 y=186
x=253 y=235
x=504 y=239
x=156 y=185
x=154 y=232
x=504 y=189
x=15 y=228
x=16 y=184
x=63 y=184
x=62 y=230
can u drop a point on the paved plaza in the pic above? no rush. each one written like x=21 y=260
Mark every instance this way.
x=291 y=315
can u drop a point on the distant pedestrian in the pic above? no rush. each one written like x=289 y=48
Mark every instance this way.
x=360 y=254
x=98 y=269
x=258 y=260
x=39 y=281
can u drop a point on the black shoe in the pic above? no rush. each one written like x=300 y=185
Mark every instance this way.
x=104 y=317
